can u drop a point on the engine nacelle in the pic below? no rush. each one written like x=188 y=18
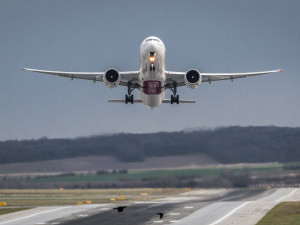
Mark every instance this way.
x=192 y=78
x=112 y=78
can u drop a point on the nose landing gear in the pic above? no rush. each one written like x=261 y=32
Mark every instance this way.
x=152 y=67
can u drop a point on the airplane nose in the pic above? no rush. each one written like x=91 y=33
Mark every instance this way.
x=151 y=47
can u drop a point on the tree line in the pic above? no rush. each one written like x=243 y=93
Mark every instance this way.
x=226 y=145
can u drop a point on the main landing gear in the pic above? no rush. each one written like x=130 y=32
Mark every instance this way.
x=128 y=98
x=174 y=99
x=173 y=88
x=131 y=86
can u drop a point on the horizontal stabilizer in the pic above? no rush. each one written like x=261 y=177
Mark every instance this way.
x=123 y=101
x=180 y=101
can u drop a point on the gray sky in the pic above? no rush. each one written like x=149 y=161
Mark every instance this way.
x=211 y=36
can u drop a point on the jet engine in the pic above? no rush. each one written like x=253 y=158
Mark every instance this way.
x=112 y=78
x=192 y=78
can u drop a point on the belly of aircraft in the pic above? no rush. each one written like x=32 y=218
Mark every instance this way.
x=152 y=93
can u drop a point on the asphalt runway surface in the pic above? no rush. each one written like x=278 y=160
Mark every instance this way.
x=199 y=207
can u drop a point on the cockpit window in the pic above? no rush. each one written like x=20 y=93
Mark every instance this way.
x=152 y=40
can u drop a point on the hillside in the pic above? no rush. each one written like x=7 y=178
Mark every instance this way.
x=224 y=145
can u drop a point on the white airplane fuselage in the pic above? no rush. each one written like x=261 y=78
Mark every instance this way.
x=152 y=74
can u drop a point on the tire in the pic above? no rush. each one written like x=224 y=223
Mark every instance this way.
x=172 y=99
x=131 y=99
x=177 y=99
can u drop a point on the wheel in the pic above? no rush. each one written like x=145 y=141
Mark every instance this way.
x=177 y=99
x=152 y=67
x=131 y=99
x=172 y=99
x=126 y=99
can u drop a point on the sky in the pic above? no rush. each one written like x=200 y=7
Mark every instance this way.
x=92 y=36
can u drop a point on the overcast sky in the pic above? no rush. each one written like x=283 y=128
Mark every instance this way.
x=211 y=36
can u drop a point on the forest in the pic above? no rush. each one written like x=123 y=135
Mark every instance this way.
x=225 y=144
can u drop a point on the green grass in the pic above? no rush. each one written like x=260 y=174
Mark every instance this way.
x=285 y=213
x=160 y=173
x=10 y=210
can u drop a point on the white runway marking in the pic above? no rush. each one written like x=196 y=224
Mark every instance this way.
x=174 y=221
x=174 y=214
x=103 y=209
x=231 y=212
x=35 y=214
x=286 y=195
x=189 y=207
x=158 y=221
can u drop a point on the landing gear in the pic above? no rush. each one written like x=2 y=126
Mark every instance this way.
x=131 y=86
x=128 y=98
x=174 y=99
x=152 y=67
x=173 y=88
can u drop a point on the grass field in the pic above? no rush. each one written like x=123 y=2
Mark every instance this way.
x=237 y=175
x=150 y=174
x=11 y=210
x=285 y=213
x=63 y=197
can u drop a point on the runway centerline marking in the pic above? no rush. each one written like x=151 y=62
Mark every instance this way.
x=230 y=213
x=174 y=214
x=286 y=195
x=35 y=214
x=189 y=207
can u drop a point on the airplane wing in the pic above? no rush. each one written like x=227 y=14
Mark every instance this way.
x=178 y=77
x=94 y=76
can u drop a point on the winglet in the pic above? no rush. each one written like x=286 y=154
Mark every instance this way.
x=24 y=68
x=280 y=70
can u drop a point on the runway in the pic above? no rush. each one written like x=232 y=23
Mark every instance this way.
x=199 y=207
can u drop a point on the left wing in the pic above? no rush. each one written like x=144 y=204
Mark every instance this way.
x=178 y=77
x=94 y=76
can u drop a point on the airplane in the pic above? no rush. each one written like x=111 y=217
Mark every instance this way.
x=152 y=79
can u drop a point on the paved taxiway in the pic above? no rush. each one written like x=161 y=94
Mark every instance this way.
x=199 y=207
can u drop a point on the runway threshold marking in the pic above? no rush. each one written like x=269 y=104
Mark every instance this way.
x=25 y=217
x=230 y=213
x=286 y=195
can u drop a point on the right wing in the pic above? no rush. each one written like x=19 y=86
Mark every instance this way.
x=178 y=77
x=94 y=76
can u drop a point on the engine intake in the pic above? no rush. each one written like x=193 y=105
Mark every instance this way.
x=192 y=78
x=112 y=78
